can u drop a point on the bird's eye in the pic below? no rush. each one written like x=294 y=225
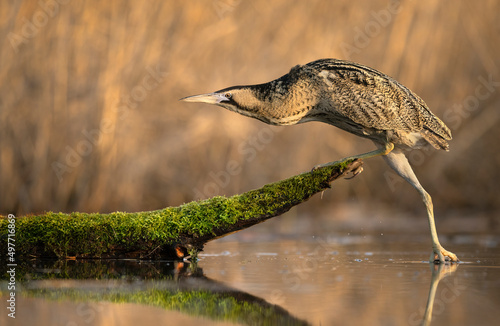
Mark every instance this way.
x=228 y=95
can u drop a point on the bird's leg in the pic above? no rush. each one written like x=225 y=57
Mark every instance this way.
x=439 y=254
x=400 y=164
x=386 y=149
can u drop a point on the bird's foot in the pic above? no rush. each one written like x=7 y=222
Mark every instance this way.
x=357 y=167
x=440 y=255
x=357 y=170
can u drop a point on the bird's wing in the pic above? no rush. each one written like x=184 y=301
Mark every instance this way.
x=373 y=100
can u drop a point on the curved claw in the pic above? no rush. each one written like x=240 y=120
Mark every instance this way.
x=355 y=172
x=440 y=255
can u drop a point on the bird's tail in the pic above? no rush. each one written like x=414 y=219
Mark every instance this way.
x=435 y=131
x=436 y=140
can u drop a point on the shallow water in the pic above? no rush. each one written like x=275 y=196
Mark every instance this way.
x=306 y=279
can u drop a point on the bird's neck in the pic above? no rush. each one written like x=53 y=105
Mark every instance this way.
x=280 y=103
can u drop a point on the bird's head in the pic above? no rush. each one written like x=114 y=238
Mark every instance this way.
x=245 y=100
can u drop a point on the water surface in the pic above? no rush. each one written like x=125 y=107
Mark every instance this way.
x=259 y=278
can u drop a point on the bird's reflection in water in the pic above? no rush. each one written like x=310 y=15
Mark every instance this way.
x=439 y=272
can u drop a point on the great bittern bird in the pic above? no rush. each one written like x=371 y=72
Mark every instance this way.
x=355 y=98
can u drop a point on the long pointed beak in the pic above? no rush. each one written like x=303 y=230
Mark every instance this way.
x=211 y=98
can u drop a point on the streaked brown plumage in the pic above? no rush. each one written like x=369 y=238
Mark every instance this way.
x=355 y=98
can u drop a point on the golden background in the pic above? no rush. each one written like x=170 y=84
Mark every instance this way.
x=91 y=118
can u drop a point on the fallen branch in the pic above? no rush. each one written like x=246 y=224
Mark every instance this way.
x=172 y=232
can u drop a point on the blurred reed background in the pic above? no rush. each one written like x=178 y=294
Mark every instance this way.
x=90 y=117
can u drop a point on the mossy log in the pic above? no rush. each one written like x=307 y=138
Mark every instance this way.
x=169 y=233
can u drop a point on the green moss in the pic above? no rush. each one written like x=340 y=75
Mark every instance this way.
x=202 y=303
x=190 y=225
x=171 y=286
